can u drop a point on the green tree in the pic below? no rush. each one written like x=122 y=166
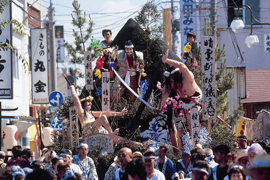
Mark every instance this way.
x=82 y=34
x=220 y=134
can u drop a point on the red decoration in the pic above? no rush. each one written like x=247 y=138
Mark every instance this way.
x=16 y=135
x=4 y=135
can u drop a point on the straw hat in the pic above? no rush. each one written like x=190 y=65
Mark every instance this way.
x=137 y=154
x=242 y=153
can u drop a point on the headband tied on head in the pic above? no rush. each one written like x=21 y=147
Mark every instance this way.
x=89 y=98
x=129 y=44
x=149 y=157
x=167 y=74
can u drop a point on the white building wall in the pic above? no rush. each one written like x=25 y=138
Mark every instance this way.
x=254 y=58
x=22 y=85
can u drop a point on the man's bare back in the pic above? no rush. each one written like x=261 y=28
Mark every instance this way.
x=188 y=87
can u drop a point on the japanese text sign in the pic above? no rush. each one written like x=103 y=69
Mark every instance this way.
x=105 y=91
x=73 y=127
x=88 y=71
x=208 y=77
x=5 y=57
x=189 y=20
x=40 y=86
x=267 y=43
x=195 y=126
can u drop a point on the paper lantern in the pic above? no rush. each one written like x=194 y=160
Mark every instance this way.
x=10 y=136
x=47 y=136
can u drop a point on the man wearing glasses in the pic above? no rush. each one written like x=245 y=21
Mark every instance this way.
x=124 y=157
x=152 y=173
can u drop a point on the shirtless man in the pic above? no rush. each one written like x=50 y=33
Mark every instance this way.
x=181 y=80
x=87 y=117
x=186 y=86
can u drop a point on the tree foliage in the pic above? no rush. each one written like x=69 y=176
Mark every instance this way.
x=81 y=33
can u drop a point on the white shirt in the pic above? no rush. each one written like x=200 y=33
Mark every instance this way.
x=75 y=168
x=157 y=175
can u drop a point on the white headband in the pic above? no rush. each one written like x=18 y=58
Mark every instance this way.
x=64 y=154
x=149 y=157
x=199 y=169
x=129 y=46
x=167 y=74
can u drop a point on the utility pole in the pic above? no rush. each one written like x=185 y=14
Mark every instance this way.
x=213 y=17
x=173 y=29
x=53 y=80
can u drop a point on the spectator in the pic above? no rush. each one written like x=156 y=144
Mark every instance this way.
x=200 y=170
x=42 y=157
x=242 y=142
x=55 y=161
x=40 y=174
x=27 y=154
x=242 y=158
x=152 y=173
x=16 y=159
x=2 y=164
x=260 y=168
x=36 y=165
x=255 y=149
x=220 y=171
x=85 y=163
x=165 y=165
x=17 y=172
x=66 y=155
x=236 y=173
x=47 y=163
x=107 y=34
x=210 y=157
x=111 y=170
x=71 y=176
x=62 y=169
x=137 y=154
x=183 y=166
x=124 y=157
x=136 y=169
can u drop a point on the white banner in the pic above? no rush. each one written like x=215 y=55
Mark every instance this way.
x=208 y=77
x=60 y=50
x=6 y=91
x=105 y=91
x=88 y=71
x=40 y=85
x=195 y=126
x=266 y=43
x=73 y=127
x=189 y=20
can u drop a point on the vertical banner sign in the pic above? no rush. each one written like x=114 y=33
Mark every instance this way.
x=105 y=91
x=6 y=57
x=88 y=71
x=189 y=20
x=267 y=43
x=208 y=77
x=59 y=44
x=74 y=129
x=40 y=88
x=66 y=143
x=195 y=125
